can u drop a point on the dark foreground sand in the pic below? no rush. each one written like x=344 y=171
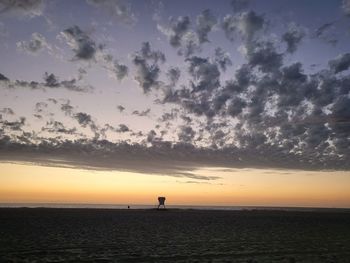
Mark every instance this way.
x=96 y=235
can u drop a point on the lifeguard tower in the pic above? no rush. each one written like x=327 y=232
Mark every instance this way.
x=161 y=202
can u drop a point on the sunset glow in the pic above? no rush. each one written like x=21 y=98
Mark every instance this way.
x=236 y=187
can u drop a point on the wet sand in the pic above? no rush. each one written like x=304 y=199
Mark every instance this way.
x=102 y=235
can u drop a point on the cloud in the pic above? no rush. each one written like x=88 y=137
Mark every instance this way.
x=13 y=125
x=176 y=30
x=141 y=113
x=293 y=37
x=173 y=75
x=83 y=119
x=205 y=23
x=206 y=75
x=340 y=63
x=181 y=36
x=229 y=26
x=346 y=7
x=40 y=107
x=320 y=31
x=249 y=23
x=245 y=24
x=86 y=49
x=222 y=58
x=123 y=128
x=120 y=108
x=186 y=134
x=83 y=46
x=116 y=69
x=7 y=111
x=51 y=81
x=67 y=108
x=22 y=8
x=326 y=33
x=117 y=9
x=36 y=44
x=146 y=62
x=3 y=78
x=58 y=127
x=264 y=56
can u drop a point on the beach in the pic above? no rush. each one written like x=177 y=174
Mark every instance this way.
x=175 y=235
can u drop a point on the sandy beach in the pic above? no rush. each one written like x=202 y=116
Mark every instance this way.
x=102 y=235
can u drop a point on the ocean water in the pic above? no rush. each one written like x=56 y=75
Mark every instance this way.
x=137 y=206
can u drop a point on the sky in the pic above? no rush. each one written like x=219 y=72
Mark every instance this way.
x=228 y=102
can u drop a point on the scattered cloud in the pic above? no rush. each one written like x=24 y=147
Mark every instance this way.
x=118 y=9
x=22 y=9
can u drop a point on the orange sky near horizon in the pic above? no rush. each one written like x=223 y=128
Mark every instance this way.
x=27 y=183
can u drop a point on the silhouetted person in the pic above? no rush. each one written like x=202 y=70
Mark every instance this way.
x=161 y=201
x=128 y=206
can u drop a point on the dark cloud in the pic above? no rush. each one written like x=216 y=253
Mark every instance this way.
x=83 y=46
x=179 y=160
x=3 y=78
x=86 y=49
x=22 y=8
x=264 y=56
x=13 y=125
x=54 y=101
x=58 y=127
x=183 y=37
x=146 y=62
x=50 y=81
x=142 y=113
x=267 y=112
x=177 y=30
x=326 y=32
x=249 y=24
x=7 y=111
x=341 y=63
x=245 y=24
x=40 y=107
x=320 y=31
x=173 y=75
x=293 y=37
x=120 y=108
x=121 y=71
x=168 y=116
x=113 y=66
x=83 y=118
x=236 y=106
x=186 y=134
x=229 y=26
x=123 y=128
x=206 y=75
x=67 y=108
x=205 y=23
x=151 y=136
x=222 y=58
x=104 y=155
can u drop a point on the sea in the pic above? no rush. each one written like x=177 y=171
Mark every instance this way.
x=153 y=206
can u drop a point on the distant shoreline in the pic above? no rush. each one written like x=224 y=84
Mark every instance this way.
x=168 y=208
